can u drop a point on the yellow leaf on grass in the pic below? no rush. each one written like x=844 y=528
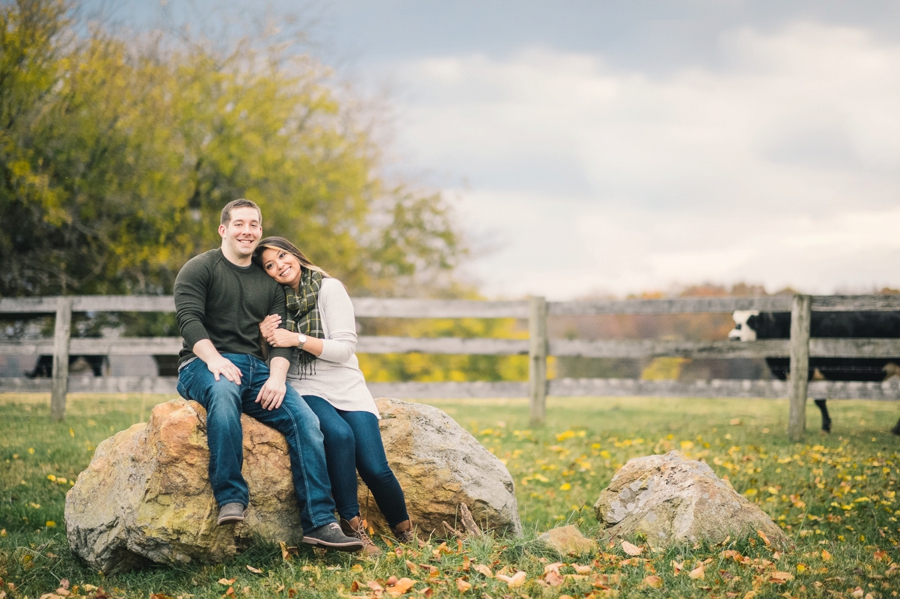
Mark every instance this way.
x=677 y=567
x=632 y=550
x=763 y=536
x=484 y=570
x=516 y=580
x=401 y=586
x=825 y=555
x=780 y=577
x=554 y=578
x=462 y=586
x=653 y=581
x=413 y=569
x=698 y=573
x=227 y=581
x=254 y=570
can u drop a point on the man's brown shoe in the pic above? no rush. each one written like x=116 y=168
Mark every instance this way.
x=357 y=528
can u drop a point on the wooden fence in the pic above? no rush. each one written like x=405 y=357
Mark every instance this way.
x=538 y=347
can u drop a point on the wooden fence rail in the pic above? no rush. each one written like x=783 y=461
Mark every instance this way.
x=538 y=347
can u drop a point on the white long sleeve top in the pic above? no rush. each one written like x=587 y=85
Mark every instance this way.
x=338 y=378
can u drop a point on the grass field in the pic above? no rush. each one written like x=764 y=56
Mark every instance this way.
x=835 y=496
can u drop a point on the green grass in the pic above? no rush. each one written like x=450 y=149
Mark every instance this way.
x=835 y=496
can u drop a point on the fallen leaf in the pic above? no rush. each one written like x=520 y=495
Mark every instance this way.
x=484 y=570
x=374 y=586
x=462 y=586
x=554 y=578
x=750 y=595
x=227 y=581
x=400 y=587
x=677 y=567
x=763 y=536
x=825 y=555
x=582 y=569
x=254 y=570
x=554 y=567
x=632 y=550
x=413 y=569
x=857 y=593
x=466 y=563
x=516 y=580
x=780 y=577
x=653 y=581
x=698 y=573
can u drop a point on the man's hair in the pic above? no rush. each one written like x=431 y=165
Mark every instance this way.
x=240 y=203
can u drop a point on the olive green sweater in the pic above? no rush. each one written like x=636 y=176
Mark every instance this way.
x=220 y=301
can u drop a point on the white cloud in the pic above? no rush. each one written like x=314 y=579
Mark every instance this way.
x=778 y=166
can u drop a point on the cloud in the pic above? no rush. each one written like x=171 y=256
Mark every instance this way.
x=778 y=165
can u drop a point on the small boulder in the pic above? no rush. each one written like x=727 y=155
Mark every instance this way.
x=568 y=540
x=440 y=465
x=669 y=499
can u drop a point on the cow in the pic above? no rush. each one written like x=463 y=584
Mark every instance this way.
x=43 y=368
x=751 y=325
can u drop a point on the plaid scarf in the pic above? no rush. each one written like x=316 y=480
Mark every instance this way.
x=303 y=316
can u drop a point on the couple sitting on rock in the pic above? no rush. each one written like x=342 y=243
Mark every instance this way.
x=224 y=300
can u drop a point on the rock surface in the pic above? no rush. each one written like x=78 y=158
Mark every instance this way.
x=670 y=499
x=439 y=466
x=146 y=497
x=568 y=540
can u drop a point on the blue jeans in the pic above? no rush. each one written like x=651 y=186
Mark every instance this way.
x=224 y=402
x=353 y=442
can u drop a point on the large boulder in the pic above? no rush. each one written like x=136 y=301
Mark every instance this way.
x=670 y=499
x=146 y=497
x=439 y=466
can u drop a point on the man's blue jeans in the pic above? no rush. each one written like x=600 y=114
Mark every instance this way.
x=353 y=442
x=224 y=402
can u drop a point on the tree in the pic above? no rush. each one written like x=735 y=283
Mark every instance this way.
x=118 y=154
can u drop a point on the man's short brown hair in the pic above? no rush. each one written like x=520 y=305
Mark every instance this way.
x=240 y=203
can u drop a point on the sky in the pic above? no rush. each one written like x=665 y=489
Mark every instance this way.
x=596 y=148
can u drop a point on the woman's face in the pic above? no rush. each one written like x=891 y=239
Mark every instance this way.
x=282 y=266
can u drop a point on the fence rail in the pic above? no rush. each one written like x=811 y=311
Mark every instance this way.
x=799 y=348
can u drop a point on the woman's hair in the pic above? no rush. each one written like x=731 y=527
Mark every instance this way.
x=282 y=244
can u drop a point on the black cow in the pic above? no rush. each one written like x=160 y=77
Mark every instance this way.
x=751 y=325
x=44 y=366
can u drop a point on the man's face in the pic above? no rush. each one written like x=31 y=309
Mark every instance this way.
x=242 y=233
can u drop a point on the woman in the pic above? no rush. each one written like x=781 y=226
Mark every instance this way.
x=325 y=371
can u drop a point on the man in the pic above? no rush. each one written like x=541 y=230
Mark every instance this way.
x=220 y=299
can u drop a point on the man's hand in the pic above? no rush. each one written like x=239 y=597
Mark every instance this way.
x=222 y=366
x=216 y=362
x=272 y=394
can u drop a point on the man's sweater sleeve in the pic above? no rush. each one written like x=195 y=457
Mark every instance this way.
x=278 y=307
x=190 y=301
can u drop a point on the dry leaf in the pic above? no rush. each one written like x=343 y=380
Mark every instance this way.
x=653 y=581
x=780 y=577
x=413 y=569
x=857 y=593
x=554 y=567
x=763 y=536
x=254 y=570
x=698 y=573
x=825 y=555
x=750 y=595
x=582 y=569
x=677 y=567
x=516 y=580
x=484 y=570
x=462 y=586
x=466 y=564
x=374 y=586
x=632 y=550
x=227 y=581
x=400 y=587
x=554 y=578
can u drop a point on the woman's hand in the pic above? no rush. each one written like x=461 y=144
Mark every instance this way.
x=269 y=324
x=283 y=338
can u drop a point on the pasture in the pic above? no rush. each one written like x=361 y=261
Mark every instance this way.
x=835 y=496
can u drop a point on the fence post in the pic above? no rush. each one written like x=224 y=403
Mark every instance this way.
x=801 y=315
x=61 y=358
x=537 y=358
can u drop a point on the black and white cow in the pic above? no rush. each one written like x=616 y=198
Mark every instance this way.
x=751 y=325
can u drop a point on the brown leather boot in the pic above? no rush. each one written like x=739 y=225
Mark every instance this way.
x=404 y=533
x=356 y=527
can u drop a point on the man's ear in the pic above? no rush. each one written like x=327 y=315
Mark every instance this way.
x=222 y=231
